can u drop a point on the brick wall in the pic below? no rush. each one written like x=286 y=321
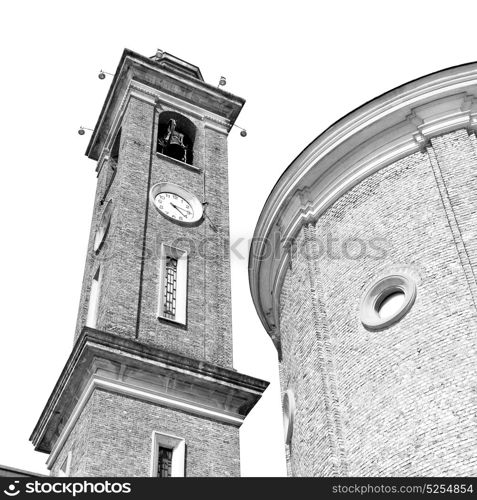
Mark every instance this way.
x=129 y=299
x=77 y=443
x=113 y=437
x=399 y=401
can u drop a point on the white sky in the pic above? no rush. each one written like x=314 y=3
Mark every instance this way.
x=300 y=65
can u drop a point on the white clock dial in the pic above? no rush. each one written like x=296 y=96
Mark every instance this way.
x=175 y=207
x=176 y=203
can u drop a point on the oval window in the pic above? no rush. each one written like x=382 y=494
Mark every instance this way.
x=387 y=300
x=288 y=406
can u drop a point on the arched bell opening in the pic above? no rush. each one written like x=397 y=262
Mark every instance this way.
x=175 y=138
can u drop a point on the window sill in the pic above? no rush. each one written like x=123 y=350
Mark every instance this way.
x=178 y=162
x=170 y=320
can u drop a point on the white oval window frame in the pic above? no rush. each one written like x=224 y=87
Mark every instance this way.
x=378 y=291
x=103 y=227
x=169 y=187
x=288 y=408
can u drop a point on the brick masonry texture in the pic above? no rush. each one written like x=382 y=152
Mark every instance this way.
x=399 y=401
x=129 y=300
x=113 y=437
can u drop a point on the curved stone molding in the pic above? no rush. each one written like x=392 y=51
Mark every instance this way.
x=378 y=291
x=385 y=130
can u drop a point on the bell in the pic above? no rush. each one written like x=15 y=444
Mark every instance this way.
x=177 y=139
x=81 y=131
x=172 y=143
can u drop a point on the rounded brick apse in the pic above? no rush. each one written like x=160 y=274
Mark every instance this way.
x=363 y=271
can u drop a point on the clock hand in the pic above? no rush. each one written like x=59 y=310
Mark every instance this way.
x=180 y=210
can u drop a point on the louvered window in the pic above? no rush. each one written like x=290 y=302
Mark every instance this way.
x=173 y=285
x=170 y=288
x=164 y=462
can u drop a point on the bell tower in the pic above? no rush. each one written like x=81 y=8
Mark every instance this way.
x=149 y=388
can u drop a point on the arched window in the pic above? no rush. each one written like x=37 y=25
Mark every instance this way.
x=175 y=137
x=111 y=166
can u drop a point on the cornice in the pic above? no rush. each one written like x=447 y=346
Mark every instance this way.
x=179 y=104
x=178 y=89
x=141 y=394
x=156 y=98
x=101 y=360
x=388 y=128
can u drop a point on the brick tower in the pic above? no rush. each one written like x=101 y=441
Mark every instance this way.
x=149 y=388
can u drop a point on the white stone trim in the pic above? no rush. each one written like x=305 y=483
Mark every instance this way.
x=289 y=409
x=178 y=104
x=193 y=168
x=380 y=288
x=66 y=472
x=113 y=130
x=178 y=453
x=94 y=298
x=143 y=394
x=103 y=351
x=181 y=287
x=103 y=160
x=215 y=127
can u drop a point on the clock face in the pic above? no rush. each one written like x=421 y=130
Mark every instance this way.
x=175 y=207
x=176 y=203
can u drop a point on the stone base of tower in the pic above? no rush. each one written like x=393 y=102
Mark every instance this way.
x=117 y=402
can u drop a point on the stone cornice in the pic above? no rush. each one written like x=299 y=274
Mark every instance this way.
x=156 y=98
x=390 y=127
x=179 y=105
x=176 y=86
x=102 y=360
